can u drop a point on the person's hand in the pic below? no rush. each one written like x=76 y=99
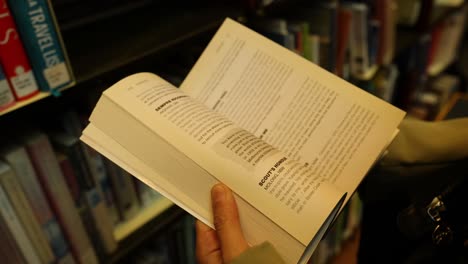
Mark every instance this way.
x=227 y=241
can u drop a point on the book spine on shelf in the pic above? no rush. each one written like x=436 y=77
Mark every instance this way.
x=13 y=223
x=146 y=194
x=124 y=191
x=25 y=214
x=70 y=177
x=9 y=250
x=359 y=40
x=99 y=171
x=102 y=222
x=51 y=177
x=7 y=98
x=41 y=38
x=20 y=162
x=95 y=197
x=13 y=57
x=98 y=221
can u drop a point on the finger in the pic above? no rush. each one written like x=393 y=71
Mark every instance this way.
x=207 y=248
x=226 y=221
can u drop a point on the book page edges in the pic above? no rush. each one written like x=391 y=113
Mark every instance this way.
x=256 y=229
x=92 y=135
x=117 y=108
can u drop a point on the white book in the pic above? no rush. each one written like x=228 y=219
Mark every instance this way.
x=289 y=138
x=26 y=215
x=13 y=223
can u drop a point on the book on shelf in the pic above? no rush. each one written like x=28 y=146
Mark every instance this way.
x=446 y=39
x=13 y=57
x=90 y=201
x=52 y=180
x=360 y=57
x=289 y=138
x=13 y=222
x=124 y=191
x=97 y=174
x=7 y=98
x=18 y=159
x=19 y=202
x=38 y=29
x=9 y=250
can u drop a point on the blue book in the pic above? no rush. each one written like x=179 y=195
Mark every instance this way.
x=42 y=43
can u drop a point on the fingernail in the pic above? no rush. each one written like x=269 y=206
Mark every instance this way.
x=218 y=192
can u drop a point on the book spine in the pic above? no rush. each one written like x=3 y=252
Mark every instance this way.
x=358 y=40
x=7 y=98
x=124 y=190
x=13 y=57
x=102 y=221
x=42 y=43
x=96 y=218
x=101 y=177
x=146 y=194
x=61 y=200
x=8 y=249
x=8 y=214
x=26 y=216
x=70 y=178
x=332 y=8
x=26 y=175
x=95 y=197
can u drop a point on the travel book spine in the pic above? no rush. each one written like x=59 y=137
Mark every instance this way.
x=13 y=57
x=7 y=98
x=20 y=162
x=42 y=42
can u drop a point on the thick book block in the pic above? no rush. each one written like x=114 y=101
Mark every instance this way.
x=13 y=57
x=42 y=41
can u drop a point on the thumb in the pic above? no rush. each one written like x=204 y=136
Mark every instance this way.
x=227 y=224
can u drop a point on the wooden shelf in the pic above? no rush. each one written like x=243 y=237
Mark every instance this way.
x=154 y=225
x=37 y=97
x=28 y=101
x=124 y=229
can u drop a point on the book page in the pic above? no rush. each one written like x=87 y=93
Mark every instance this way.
x=143 y=110
x=293 y=105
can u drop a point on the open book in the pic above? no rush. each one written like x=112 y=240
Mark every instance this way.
x=289 y=138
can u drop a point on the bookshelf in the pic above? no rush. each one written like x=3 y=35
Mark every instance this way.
x=124 y=229
x=18 y=105
x=138 y=36
x=97 y=51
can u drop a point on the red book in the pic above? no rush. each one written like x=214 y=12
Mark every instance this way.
x=435 y=40
x=344 y=27
x=13 y=57
x=70 y=176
